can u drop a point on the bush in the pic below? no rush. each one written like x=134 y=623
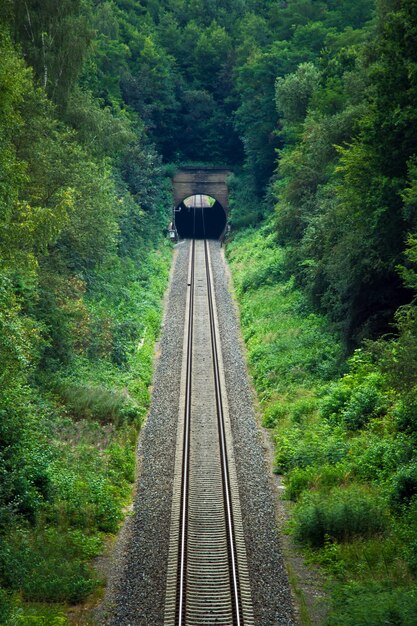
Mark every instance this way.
x=267 y=271
x=48 y=565
x=405 y=530
x=274 y=413
x=405 y=414
x=6 y=606
x=372 y=605
x=341 y=515
x=332 y=404
x=88 y=502
x=404 y=485
x=299 y=479
x=320 y=478
x=122 y=462
x=366 y=402
x=352 y=402
x=39 y=615
x=302 y=408
x=375 y=458
x=316 y=445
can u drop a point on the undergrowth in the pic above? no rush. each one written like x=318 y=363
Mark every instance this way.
x=345 y=439
x=79 y=426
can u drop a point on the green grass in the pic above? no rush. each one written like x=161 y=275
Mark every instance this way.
x=285 y=342
x=39 y=615
x=345 y=439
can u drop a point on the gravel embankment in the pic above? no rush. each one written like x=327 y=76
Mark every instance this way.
x=137 y=589
x=137 y=597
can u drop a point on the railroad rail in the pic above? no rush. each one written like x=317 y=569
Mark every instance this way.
x=207 y=581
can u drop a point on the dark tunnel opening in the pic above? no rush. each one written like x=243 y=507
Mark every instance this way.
x=200 y=217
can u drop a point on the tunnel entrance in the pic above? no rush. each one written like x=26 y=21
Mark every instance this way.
x=200 y=217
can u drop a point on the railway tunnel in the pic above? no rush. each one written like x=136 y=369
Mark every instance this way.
x=200 y=217
x=200 y=202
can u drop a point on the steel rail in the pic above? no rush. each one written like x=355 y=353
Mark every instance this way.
x=182 y=557
x=222 y=546
x=234 y=575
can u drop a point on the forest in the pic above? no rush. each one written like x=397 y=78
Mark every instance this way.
x=312 y=105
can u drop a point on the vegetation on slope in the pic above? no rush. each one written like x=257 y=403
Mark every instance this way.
x=345 y=442
x=83 y=204
x=344 y=192
x=346 y=176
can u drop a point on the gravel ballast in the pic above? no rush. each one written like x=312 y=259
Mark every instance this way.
x=137 y=588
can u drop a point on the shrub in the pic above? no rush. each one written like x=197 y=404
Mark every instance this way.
x=334 y=401
x=302 y=408
x=122 y=462
x=299 y=479
x=376 y=458
x=320 y=478
x=274 y=413
x=341 y=515
x=405 y=530
x=331 y=475
x=404 y=485
x=48 y=565
x=405 y=414
x=372 y=605
x=317 y=445
x=87 y=502
x=6 y=606
x=366 y=402
x=266 y=271
x=39 y=615
x=354 y=400
x=298 y=411
x=108 y=512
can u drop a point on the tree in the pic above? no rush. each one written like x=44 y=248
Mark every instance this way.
x=43 y=30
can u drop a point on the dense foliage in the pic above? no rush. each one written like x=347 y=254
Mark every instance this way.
x=342 y=242
x=346 y=176
x=311 y=103
x=329 y=86
x=346 y=443
x=83 y=204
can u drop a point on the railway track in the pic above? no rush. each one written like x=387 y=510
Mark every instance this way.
x=207 y=580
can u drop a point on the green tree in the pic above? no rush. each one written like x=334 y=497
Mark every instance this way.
x=43 y=30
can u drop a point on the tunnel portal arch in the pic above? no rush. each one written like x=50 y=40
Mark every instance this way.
x=194 y=182
x=200 y=217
